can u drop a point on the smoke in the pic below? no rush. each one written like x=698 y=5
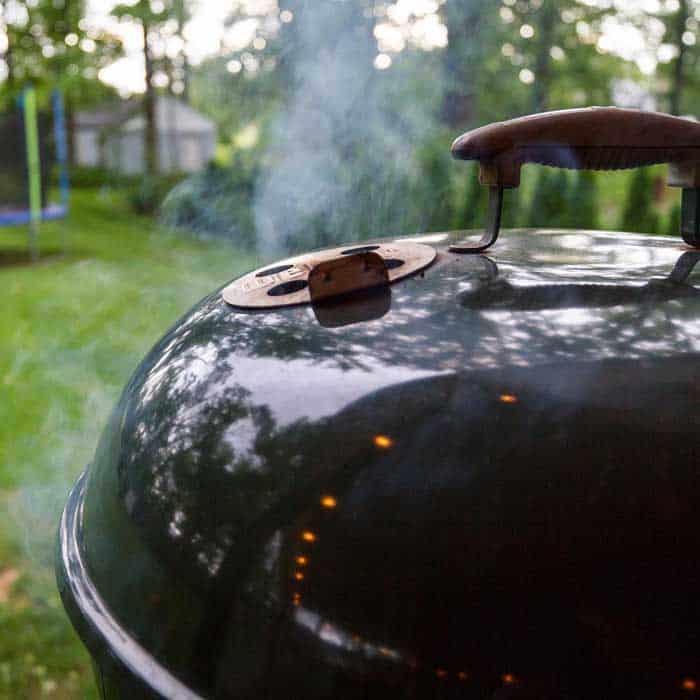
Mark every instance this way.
x=47 y=462
x=82 y=384
x=351 y=142
x=343 y=158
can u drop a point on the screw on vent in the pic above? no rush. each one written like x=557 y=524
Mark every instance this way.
x=288 y=282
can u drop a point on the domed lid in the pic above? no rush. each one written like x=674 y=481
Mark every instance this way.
x=479 y=488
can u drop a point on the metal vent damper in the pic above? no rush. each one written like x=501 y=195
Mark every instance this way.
x=328 y=273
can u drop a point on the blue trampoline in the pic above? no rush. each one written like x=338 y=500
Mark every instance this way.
x=13 y=217
x=33 y=144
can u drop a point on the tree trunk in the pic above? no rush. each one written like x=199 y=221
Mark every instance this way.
x=149 y=104
x=181 y=17
x=185 y=77
x=678 y=79
x=543 y=63
x=70 y=128
x=463 y=52
x=9 y=59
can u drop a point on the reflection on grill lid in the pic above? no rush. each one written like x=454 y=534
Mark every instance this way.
x=452 y=498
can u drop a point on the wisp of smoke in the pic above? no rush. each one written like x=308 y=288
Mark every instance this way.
x=341 y=165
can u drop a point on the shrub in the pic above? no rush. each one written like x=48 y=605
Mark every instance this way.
x=148 y=193
x=512 y=216
x=216 y=203
x=535 y=213
x=470 y=210
x=436 y=185
x=583 y=201
x=638 y=214
x=89 y=177
x=673 y=227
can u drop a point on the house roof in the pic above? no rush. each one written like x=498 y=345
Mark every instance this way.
x=108 y=114
x=171 y=115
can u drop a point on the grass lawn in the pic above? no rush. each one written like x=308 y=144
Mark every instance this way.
x=73 y=328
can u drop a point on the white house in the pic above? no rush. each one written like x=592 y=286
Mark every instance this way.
x=112 y=137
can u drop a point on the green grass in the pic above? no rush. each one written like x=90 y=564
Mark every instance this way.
x=73 y=328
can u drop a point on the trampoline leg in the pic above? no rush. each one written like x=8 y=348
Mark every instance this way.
x=34 y=240
x=64 y=236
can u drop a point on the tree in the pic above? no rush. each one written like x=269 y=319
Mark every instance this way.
x=471 y=37
x=555 y=54
x=472 y=205
x=670 y=32
x=150 y=19
x=182 y=14
x=638 y=214
x=549 y=205
x=49 y=45
x=17 y=19
x=679 y=30
x=679 y=41
x=583 y=201
x=73 y=56
x=673 y=227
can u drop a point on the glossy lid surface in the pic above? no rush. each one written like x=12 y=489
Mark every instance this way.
x=481 y=485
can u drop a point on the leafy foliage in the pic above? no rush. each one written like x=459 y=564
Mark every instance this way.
x=549 y=203
x=638 y=214
x=583 y=202
x=49 y=46
x=215 y=204
x=673 y=226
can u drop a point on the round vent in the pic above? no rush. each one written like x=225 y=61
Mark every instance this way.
x=326 y=273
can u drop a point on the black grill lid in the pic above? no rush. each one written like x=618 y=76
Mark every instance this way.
x=444 y=501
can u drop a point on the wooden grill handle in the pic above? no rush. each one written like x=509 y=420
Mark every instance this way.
x=594 y=138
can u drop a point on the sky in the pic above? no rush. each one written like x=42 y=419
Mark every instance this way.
x=205 y=34
x=408 y=21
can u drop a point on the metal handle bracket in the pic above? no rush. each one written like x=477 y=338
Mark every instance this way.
x=493 y=225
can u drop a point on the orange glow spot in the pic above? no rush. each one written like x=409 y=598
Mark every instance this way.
x=689 y=684
x=383 y=442
x=462 y=675
x=441 y=673
x=296 y=602
x=508 y=398
x=329 y=502
x=299 y=576
x=508 y=679
x=308 y=536
x=302 y=561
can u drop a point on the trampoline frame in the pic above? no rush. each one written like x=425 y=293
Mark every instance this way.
x=35 y=213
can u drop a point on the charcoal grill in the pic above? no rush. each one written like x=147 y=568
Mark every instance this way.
x=394 y=470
